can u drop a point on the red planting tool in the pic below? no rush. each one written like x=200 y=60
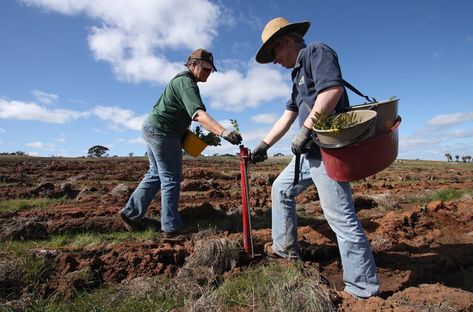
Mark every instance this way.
x=247 y=238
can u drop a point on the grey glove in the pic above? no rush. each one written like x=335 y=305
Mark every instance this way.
x=232 y=136
x=259 y=153
x=299 y=143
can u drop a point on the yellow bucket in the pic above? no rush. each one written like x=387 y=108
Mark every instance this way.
x=192 y=144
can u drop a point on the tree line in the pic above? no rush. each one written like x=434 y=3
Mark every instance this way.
x=466 y=158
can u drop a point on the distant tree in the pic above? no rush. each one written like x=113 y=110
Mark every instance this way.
x=468 y=158
x=97 y=151
x=278 y=154
x=130 y=154
x=457 y=157
x=449 y=157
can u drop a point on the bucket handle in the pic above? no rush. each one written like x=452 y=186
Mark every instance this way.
x=352 y=141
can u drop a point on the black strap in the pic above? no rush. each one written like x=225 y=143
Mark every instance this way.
x=355 y=90
x=297 y=169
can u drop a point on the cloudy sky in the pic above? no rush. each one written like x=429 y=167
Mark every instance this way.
x=78 y=73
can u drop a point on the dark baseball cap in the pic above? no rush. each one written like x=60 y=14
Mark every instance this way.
x=201 y=54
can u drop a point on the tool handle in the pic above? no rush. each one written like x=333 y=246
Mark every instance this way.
x=247 y=238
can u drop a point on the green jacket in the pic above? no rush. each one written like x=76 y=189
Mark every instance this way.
x=180 y=101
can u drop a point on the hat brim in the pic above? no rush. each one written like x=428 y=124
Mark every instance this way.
x=263 y=57
x=211 y=64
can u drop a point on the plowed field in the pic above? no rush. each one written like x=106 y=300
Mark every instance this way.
x=422 y=242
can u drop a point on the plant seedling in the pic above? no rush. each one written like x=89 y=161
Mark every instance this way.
x=234 y=123
x=325 y=121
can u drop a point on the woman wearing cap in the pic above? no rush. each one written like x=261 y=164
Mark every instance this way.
x=317 y=87
x=163 y=130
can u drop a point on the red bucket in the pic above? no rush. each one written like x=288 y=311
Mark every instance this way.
x=361 y=160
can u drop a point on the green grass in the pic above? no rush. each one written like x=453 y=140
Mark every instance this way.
x=269 y=287
x=112 y=299
x=13 y=205
x=451 y=194
x=79 y=240
x=443 y=195
x=426 y=164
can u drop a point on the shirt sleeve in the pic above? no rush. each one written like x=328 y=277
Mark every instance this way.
x=291 y=103
x=325 y=68
x=190 y=96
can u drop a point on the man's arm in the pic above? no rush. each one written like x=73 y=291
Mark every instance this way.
x=280 y=127
x=208 y=122
x=211 y=125
x=325 y=102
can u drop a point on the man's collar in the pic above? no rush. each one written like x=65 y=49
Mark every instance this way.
x=299 y=57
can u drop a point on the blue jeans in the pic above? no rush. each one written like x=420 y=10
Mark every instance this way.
x=164 y=174
x=359 y=269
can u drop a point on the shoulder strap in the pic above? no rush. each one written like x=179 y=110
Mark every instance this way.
x=356 y=91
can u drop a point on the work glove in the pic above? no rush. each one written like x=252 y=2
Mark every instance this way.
x=260 y=153
x=299 y=143
x=232 y=136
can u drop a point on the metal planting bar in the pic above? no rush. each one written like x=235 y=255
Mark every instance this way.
x=247 y=238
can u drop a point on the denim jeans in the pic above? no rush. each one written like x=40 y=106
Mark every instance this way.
x=359 y=269
x=164 y=174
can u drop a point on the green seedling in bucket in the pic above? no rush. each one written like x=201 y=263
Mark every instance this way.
x=325 y=121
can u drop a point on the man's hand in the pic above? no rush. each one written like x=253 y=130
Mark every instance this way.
x=232 y=136
x=260 y=153
x=300 y=141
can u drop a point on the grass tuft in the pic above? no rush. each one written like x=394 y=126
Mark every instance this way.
x=14 y=205
x=451 y=194
x=274 y=287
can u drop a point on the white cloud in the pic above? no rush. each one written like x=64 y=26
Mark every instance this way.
x=35 y=144
x=32 y=111
x=62 y=138
x=265 y=118
x=45 y=98
x=137 y=140
x=119 y=118
x=450 y=119
x=417 y=141
x=232 y=91
x=42 y=146
x=133 y=35
x=460 y=134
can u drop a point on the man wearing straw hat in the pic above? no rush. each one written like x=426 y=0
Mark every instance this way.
x=317 y=87
x=163 y=130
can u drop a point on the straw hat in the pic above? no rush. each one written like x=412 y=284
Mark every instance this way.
x=276 y=28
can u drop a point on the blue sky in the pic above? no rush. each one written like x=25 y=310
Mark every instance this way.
x=74 y=74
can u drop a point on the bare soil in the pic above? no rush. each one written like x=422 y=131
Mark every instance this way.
x=423 y=249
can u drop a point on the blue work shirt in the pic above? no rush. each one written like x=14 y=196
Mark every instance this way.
x=316 y=69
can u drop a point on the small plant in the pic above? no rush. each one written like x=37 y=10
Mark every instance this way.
x=325 y=121
x=209 y=138
x=234 y=123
